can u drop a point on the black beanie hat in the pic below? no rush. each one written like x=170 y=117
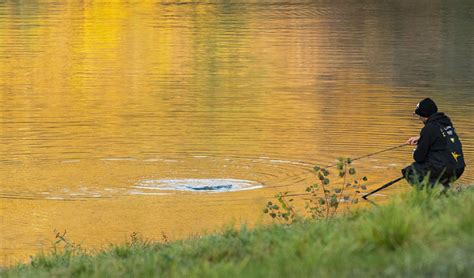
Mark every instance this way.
x=426 y=108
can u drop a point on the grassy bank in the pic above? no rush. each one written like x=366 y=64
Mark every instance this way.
x=414 y=235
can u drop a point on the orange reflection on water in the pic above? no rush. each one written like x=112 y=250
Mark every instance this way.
x=98 y=97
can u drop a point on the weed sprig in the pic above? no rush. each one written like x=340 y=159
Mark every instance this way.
x=324 y=198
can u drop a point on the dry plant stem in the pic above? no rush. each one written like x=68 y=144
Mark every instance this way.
x=342 y=189
x=279 y=220
x=326 y=199
x=288 y=206
x=355 y=194
x=62 y=238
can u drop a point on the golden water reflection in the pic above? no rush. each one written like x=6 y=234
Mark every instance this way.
x=97 y=97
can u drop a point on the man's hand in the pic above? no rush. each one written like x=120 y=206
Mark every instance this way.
x=413 y=140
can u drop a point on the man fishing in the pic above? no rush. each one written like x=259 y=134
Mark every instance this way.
x=438 y=154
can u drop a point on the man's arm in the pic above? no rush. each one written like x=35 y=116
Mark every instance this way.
x=413 y=140
x=423 y=145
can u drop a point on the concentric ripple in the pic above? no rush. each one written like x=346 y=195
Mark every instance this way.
x=115 y=177
x=199 y=185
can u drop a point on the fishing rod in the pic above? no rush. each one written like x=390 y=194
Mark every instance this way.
x=371 y=154
x=382 y=187
x=331 y=165
x=334 y=164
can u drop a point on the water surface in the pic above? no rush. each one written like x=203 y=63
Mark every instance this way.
x=96 y=98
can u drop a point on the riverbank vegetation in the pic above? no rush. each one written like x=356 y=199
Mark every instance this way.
x=420 y=233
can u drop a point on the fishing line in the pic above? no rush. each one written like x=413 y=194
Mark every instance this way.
x=309 y=171
x=371 y=154
x=335 y=164
x=285 y=179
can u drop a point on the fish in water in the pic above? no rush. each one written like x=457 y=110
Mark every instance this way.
x=210 y=187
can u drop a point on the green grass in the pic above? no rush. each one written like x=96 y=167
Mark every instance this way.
x=415 y=235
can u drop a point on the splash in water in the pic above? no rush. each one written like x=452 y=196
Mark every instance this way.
x=205 y=185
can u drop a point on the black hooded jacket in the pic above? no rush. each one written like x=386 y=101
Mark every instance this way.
x=434 y=146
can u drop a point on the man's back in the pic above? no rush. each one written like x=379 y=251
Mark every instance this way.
x=439 y=145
